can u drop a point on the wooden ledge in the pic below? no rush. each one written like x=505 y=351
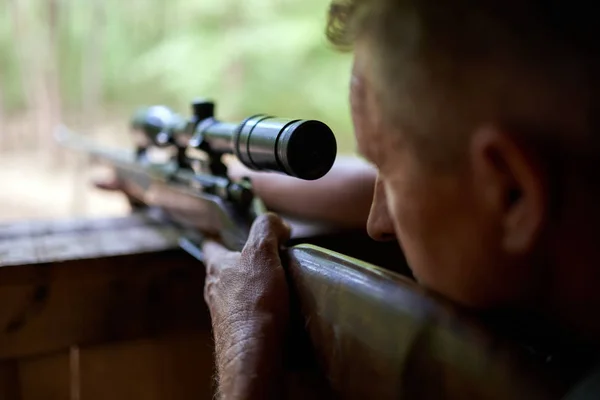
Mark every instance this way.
x=80 y=282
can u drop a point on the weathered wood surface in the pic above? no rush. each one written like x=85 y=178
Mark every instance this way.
x=84 y=282
x=102 y=309
x=9 y=380
x=161 y=368
x=170 y=367
x=37 y=242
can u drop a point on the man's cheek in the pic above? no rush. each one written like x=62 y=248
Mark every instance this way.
x=402 y=209
x=409 y=226
x=403 y=223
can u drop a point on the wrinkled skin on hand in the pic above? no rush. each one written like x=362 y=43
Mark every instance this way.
x=248 y=299
x=250 y=284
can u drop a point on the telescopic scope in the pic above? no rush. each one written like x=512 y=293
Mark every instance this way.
x=305 y=149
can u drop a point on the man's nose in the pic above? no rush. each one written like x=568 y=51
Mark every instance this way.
x=379 y=225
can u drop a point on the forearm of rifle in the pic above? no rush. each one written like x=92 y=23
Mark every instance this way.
x=109 y=181
x=342 y=197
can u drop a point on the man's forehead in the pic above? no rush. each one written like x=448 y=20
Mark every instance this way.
x=360 y=111
x=365 y=110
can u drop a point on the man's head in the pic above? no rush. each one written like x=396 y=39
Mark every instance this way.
x=480 y=118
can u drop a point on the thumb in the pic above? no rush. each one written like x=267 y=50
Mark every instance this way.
x=111 y=185
x=268 y=232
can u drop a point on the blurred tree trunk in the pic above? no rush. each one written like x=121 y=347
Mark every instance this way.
x=137 y=31
x=53 y=104
x=29 y=80
x=4 y=133
x=234 y=75
x=92 y=74
x=163 y=17
x=91 y=96
x=37 y=54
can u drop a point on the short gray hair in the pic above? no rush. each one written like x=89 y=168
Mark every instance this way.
x=530 y=64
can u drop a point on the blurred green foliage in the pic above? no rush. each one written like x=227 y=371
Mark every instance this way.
x=251 y=56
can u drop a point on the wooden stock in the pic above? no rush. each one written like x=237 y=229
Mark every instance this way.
x=378 y=335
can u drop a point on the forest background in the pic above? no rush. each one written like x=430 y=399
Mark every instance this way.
x=90 y=63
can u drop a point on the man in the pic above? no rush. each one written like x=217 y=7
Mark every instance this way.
x=479 y=118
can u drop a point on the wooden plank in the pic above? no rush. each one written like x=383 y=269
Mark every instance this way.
x=34 y=228
x=50 y=307
x=78 y=282
x=46 y=377
x=173 y=367
x=10 y=388
x=37 y=242
x=161 y=368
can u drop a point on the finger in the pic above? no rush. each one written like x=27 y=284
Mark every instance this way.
x=213 y=251
x=106 y=179
x=268 y=231
x=111 y=185
x=236 y=170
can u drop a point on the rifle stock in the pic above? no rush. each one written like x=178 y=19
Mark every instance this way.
x=377 y=334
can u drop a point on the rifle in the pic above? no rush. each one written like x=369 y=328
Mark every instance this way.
x=374 y=333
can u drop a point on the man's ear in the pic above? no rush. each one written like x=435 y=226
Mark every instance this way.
x=513 y=187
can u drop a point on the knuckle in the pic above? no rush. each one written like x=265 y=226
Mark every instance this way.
x=271 y=219
x=265 y=234
x=259 y=246
x=210 y=266
x=212 y=269
x=233 y=257
x=267 y=222
x=215 y=265
x=263 y=244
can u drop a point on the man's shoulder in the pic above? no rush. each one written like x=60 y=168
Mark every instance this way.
x=588 y=388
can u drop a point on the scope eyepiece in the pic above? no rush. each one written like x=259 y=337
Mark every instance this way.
x=305 y=149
